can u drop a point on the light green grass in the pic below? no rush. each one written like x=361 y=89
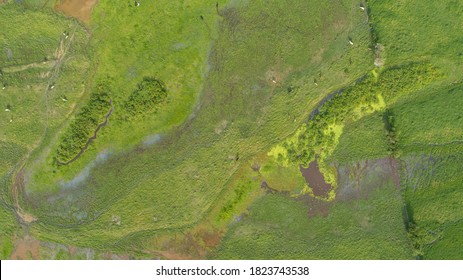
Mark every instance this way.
x=129 y=43
x=33 y=36
x=175 y=183
x=30 y=35
x=33 y=108
x=280 y=178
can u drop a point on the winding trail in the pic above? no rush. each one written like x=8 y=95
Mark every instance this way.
x=90 y=139
x=19 y=68
x=17 y=186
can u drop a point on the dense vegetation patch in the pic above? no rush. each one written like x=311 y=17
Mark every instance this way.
x=85 y=123
x=389 y=130
x=240 y=193
x=147 y=98
x=320 y=135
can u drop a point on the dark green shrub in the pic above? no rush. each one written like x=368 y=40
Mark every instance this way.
x=146 y=99
x=85 y=123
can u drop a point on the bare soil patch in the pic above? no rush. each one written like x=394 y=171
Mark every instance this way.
x=315 y=179
x=26 y=248
x=17 y=189
x=80 y=9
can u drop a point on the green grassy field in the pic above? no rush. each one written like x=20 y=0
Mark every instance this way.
x=235 y=120
x=189 y=175
x=428 y=126
x=8 y=227
x=431 y=178
x=277 y=227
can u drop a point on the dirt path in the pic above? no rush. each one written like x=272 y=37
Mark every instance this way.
x=19 y=68
x=17 y=188
x=18 y=182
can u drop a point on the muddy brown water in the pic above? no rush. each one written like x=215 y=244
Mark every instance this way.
x=315 y=179
x=80 y=9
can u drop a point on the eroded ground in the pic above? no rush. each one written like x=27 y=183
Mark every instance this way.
x=80 y=9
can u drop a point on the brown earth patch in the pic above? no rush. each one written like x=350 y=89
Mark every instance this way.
x=26 y=248
x=315 y=179
x=17 y=189
x=192 y=245
x=211 y=239
x=80 y=9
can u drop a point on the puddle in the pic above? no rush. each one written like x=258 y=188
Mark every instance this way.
x=80 y=9
x=315 y=179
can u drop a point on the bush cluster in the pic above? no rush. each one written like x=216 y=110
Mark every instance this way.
x=318 y=135
x=147 y=98
x=85 y=123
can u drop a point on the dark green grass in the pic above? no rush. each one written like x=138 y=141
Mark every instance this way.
x=432 y=117
x=414 y=31
x=449 y=246
x=428 y=126
x=426 y=119
x=8 y=226
x=433 y=192
x=277 y=227
x=363 y=139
